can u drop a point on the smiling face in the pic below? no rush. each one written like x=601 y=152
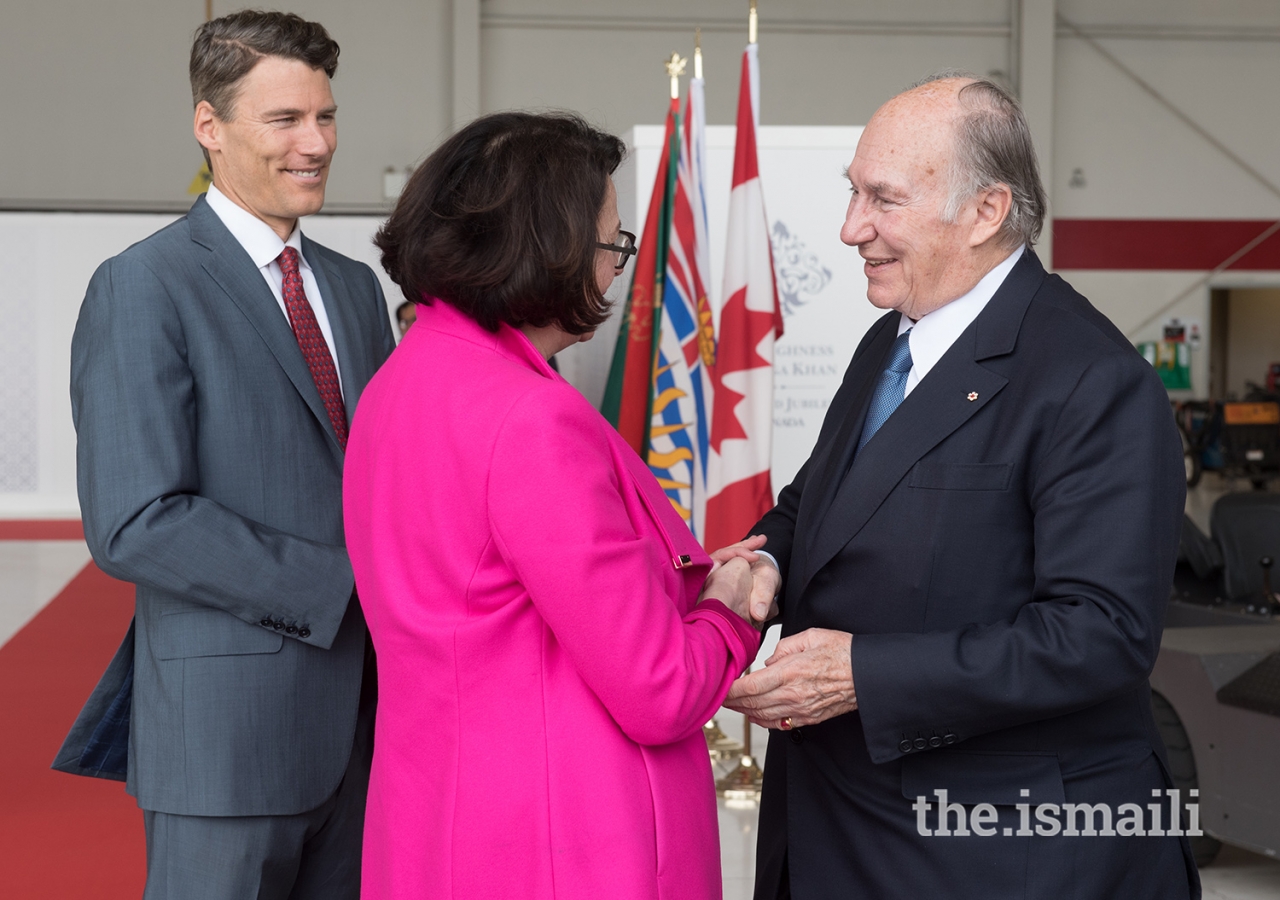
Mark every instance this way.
x=915 y=262
x=272 y=156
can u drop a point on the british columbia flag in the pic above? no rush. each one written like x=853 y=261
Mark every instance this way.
x=679 y=433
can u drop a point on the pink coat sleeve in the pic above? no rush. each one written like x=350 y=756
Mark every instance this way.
x=557 y=509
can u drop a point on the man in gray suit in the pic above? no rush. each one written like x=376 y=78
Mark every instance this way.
x=215 y=366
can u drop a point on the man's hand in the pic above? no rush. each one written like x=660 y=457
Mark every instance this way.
x=808 y=680
x=766 y=579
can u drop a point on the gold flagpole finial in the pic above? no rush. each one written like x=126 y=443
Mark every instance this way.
x=753 y=28
x=697 y=53
x=675 y=68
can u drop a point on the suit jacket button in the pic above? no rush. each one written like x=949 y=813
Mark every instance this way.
x=935 y=742
x=920 y=743
x=797 y=737
x=266 y=623
x=304 y=632
x=291 y=629
x=905 y=746
x=277 y=625
x=948 y=739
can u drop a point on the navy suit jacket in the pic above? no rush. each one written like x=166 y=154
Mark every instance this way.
x=1001 y=552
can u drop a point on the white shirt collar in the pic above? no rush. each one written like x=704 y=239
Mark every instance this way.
x=933 y=335
x=257 y=238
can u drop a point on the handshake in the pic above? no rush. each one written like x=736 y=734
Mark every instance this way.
x=809 y=677
x=745 y=581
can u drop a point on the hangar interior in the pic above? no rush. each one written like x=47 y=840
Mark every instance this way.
x=1155 y=123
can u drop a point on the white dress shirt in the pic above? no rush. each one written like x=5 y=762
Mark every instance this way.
x=264 y=247
x=933 y=335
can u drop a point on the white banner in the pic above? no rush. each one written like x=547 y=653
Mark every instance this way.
x=820 y=281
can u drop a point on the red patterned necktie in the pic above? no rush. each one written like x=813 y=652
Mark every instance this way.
x=314 y=349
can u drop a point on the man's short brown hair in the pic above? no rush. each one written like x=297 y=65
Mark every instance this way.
x=503 y=219
x=226 y=49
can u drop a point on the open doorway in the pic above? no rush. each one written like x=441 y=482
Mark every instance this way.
x=1245 y=342
x=1233 y=439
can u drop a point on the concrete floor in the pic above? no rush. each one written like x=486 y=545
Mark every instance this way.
x=1200 y=499
x=31 y=574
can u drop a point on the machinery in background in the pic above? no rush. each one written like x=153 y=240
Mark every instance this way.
x=1216 y=683
x=1239 y=440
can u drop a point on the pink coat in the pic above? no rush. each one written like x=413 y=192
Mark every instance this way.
x=544 y=669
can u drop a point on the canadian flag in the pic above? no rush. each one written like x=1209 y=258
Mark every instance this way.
x=738 y=486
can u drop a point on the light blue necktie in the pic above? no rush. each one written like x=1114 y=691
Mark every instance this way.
x=890 y=389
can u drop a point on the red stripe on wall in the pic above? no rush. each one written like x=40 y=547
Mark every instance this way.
x=41 y=530
x=1169 y=244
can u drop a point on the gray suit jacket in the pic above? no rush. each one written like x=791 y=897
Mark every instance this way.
x=210 y=477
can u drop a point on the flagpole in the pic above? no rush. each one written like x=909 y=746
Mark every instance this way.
x=675 y=68
x=742 y=786
x=721 y=747
x=628 y=392
x=751 y=770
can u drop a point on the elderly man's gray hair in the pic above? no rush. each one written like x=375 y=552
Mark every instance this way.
x=993 y=146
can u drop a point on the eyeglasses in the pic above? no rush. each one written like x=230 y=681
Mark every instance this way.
x=625 y=247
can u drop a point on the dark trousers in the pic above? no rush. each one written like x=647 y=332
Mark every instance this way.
x=313 y=855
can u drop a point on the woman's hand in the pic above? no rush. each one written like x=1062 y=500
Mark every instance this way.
x=767 y=578
x=741 y=550
x=730 y=583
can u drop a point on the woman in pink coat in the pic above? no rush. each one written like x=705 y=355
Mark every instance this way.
x=547 y=649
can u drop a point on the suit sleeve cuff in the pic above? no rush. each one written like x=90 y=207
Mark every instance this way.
x=747 y=635
x=773 y=559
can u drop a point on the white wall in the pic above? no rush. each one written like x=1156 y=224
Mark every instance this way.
x=96 y=103
x=46 y=260
x=97 y=109
x=97 y=116
x=1218 y=63
x=827 y=62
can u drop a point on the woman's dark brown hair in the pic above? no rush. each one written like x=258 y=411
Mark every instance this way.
x=502 y=222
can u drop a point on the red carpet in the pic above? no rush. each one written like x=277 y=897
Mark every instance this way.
x=63 y=837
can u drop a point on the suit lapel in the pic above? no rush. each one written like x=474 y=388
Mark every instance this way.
x=832 y=460
x=938 y=406
x=232 y=270
x=353 y=362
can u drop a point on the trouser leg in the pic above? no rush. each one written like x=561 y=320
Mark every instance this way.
x=221 y=857
x=310 y=856
x=330 y=868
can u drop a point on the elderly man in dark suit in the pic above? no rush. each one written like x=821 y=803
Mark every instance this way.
x=973 y=565
x=215 y=366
